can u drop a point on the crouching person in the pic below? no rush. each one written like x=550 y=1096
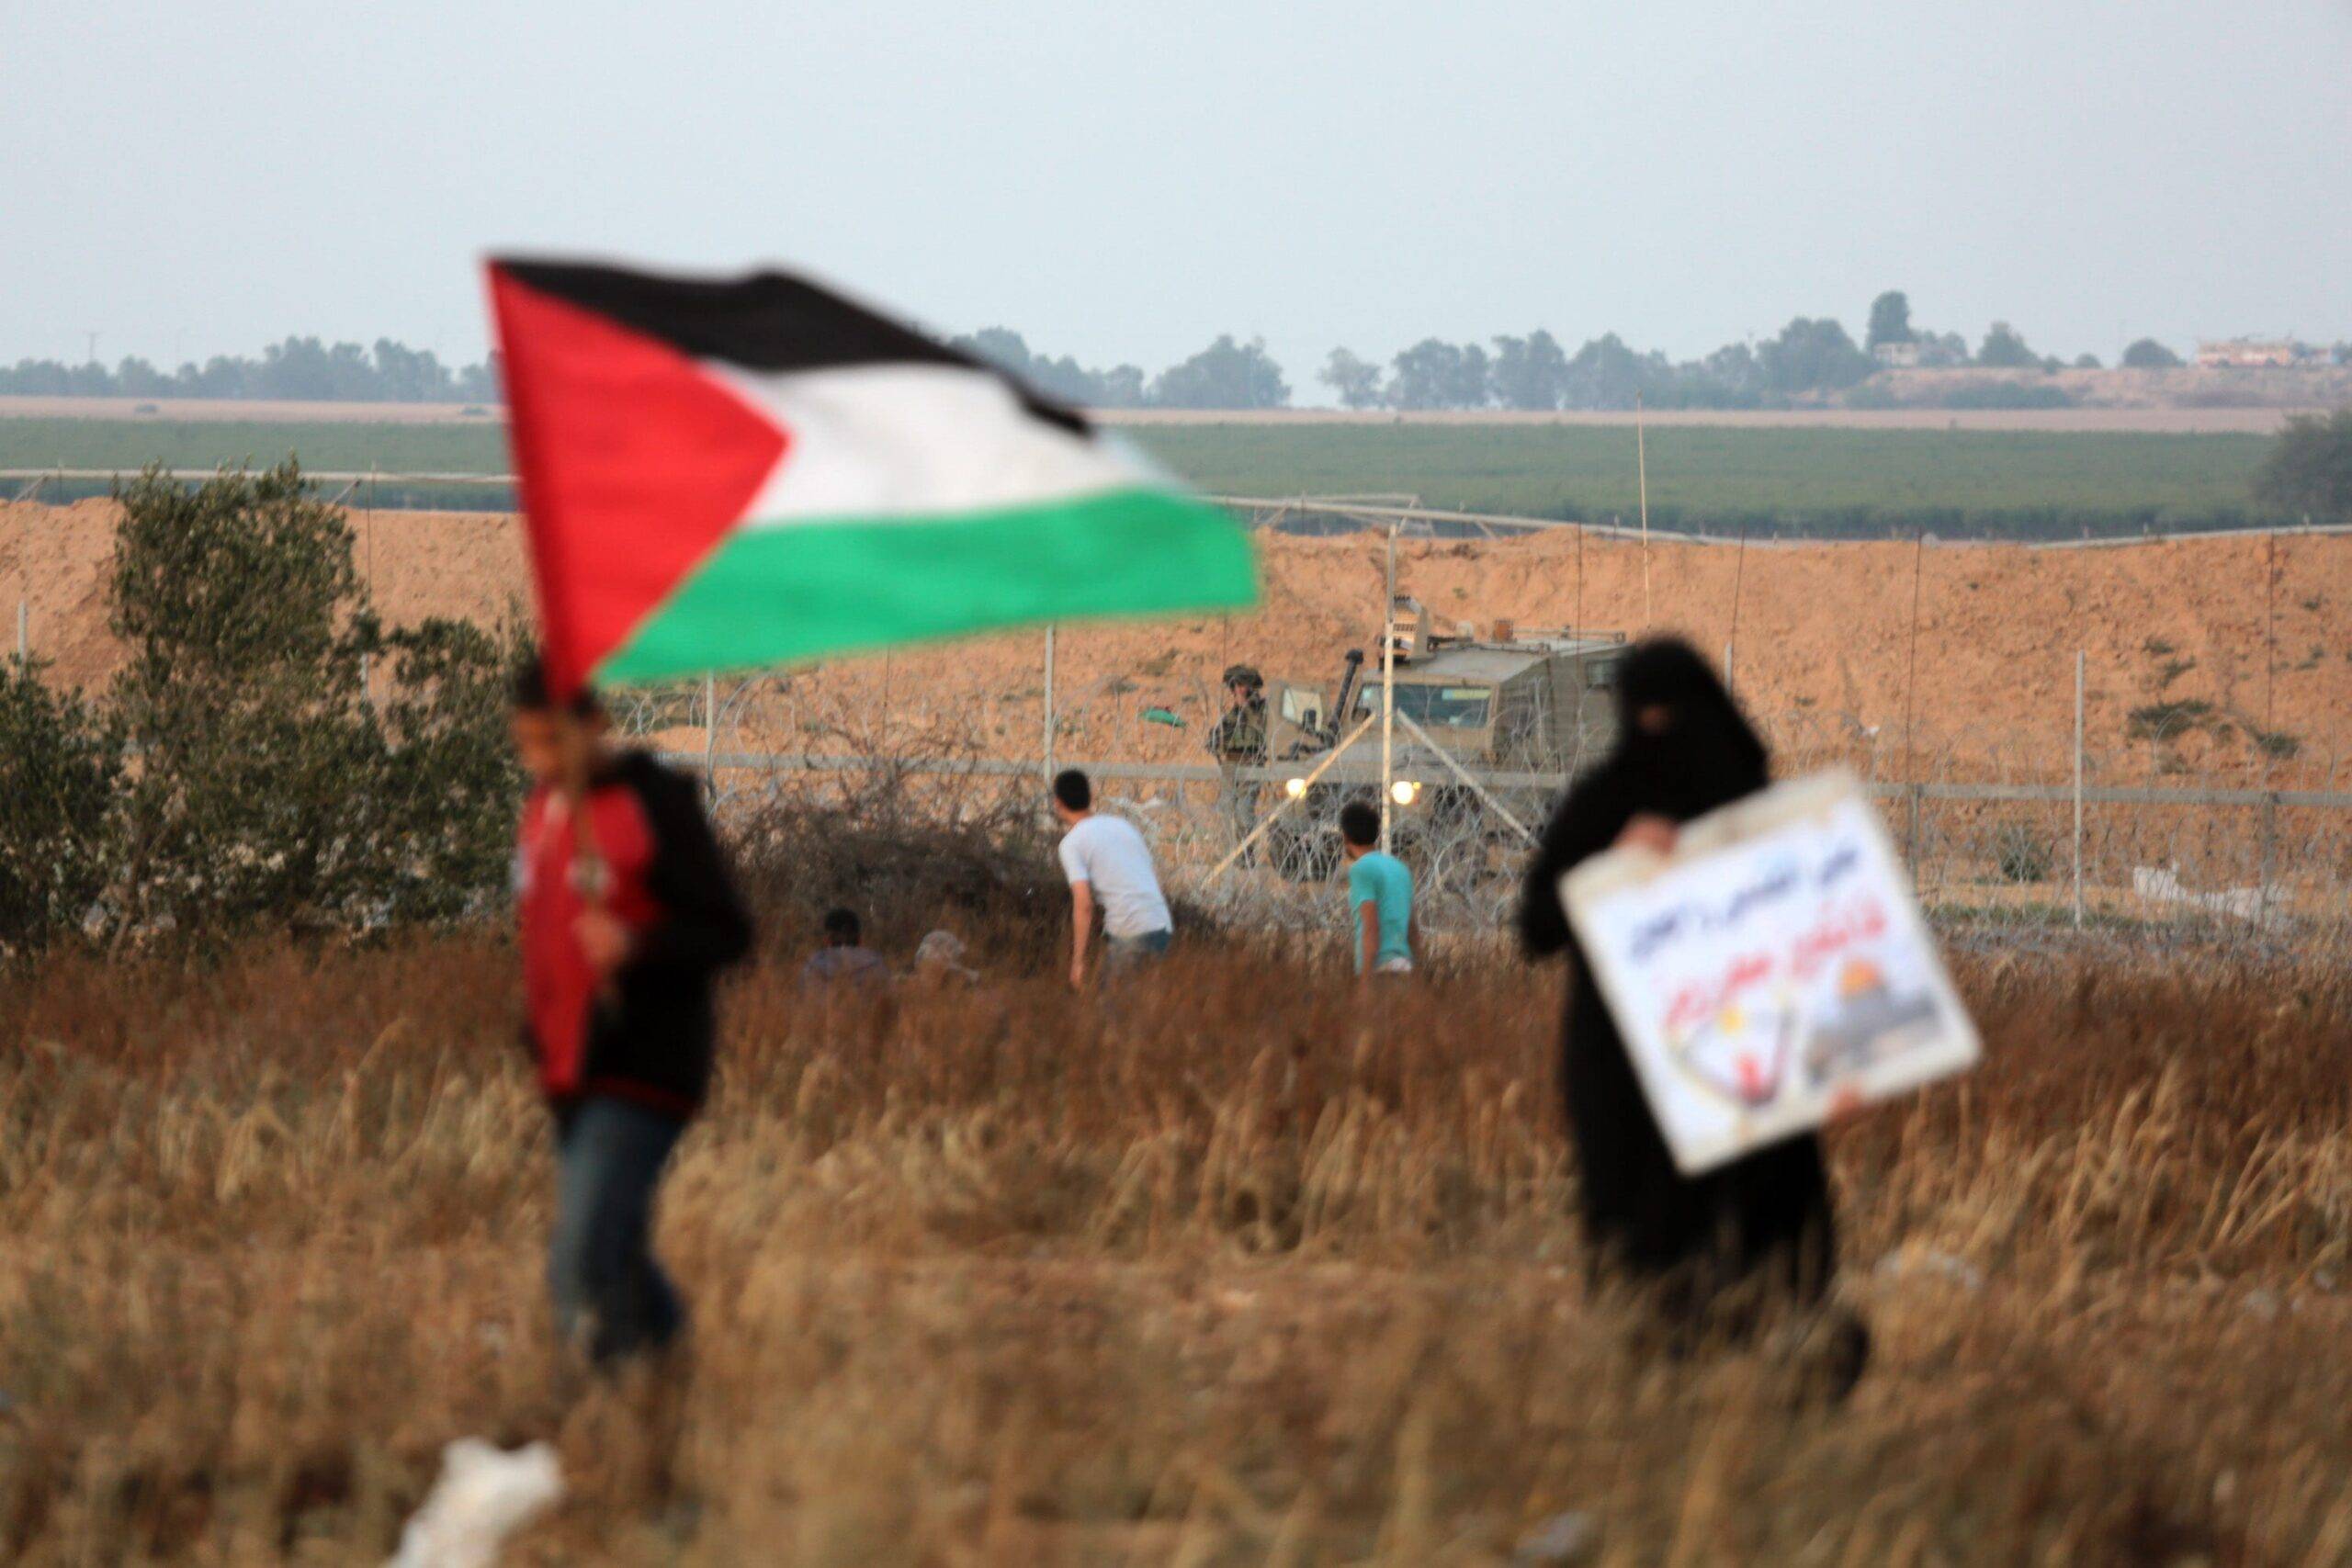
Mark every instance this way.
x=623 y=928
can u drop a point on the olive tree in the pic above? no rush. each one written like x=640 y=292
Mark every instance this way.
x=59 y=765
x=266 y=782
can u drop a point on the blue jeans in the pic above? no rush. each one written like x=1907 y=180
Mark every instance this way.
x=1123 y=954
x=608 y=1290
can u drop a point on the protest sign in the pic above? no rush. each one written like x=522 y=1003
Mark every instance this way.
x=1772 y=971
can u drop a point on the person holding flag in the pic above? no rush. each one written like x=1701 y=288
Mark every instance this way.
x=722 y=474
x=625 y=913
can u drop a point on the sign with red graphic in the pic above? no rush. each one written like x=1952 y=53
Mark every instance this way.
x=1772 y=971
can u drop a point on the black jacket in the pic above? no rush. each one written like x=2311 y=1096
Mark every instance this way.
x=647 y=1035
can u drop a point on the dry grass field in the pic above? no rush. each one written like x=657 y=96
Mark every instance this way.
x=1233 y=1273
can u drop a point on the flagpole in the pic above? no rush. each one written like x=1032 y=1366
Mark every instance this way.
x=575 y=745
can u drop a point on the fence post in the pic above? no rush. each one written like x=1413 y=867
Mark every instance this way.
x=24 y=639
x=711 y=732
x=1049 y=704
x=1915 y=791
x=2078 y=787
x=2270 y=841
x=1641 y=467
x=1389 y=696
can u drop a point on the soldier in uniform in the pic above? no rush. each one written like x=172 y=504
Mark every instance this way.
x=1243 y=739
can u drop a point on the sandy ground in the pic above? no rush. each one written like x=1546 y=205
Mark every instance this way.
x=1820 y=634
x=53 y=562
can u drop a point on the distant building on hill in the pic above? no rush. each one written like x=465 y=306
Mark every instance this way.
x=2250 y=354
x=1903 y=356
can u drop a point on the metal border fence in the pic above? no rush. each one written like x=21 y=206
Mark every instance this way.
x=1967 y=822
x=2244 y=861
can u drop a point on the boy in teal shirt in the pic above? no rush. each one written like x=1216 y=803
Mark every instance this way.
x=1380 y=896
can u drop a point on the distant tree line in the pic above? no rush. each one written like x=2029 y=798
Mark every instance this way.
x=1809 y=358
x=1228 y=374
x=301 y=369
x=1225 y=374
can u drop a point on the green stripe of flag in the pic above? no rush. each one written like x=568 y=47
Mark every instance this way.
x=775 y=593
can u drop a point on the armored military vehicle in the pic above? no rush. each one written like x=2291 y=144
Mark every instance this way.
x=1534 y=707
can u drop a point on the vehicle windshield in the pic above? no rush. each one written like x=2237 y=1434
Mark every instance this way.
x=1435 y=707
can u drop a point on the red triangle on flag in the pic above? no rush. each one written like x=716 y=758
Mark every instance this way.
x=633 y=463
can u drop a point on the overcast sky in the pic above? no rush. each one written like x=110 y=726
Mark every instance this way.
x=1123 y=181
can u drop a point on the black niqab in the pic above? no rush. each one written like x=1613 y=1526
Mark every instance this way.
x=1694 y=753
x=1705 y=756
x=1682 y=751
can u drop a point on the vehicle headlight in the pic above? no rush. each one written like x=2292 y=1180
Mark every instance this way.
x=1404 y=792
x=1295 y=788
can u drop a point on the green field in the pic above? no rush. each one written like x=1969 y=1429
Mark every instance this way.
x=1828 y=482
x=202 y=443
x=1714 y=479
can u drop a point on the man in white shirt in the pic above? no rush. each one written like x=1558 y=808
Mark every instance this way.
x=1109 y=867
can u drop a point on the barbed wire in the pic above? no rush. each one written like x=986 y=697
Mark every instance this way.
x=2178 y=828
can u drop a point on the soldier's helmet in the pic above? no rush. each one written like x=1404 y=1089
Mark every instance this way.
x=1245 y=676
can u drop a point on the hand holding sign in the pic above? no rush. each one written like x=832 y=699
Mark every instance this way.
x=1770 y=972
x=1655 y=834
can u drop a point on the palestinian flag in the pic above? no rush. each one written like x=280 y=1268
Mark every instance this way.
x=720 y=474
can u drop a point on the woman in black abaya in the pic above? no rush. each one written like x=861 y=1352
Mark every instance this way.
x=1718 y=1249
